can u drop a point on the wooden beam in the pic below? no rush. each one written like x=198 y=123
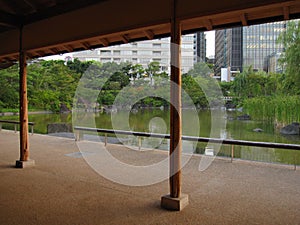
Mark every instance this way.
x=31 y=5
x=53 y=50
x=85 y=45
x=149 y=34
x=208 y=24
x=125 y=38
x=244 y=19
x=55 y=8
x=69 y=48
x=6 y=24
x=286 y=13
x=30 y=55
x=40 y=53
x=19 y=7
x=104 y=41
x=9 y=20
x=9 y=7
x=8 y=59
x=52 y=3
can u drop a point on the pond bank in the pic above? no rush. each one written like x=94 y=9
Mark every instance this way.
x=30 y=113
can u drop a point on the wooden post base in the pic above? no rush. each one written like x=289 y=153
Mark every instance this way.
x=176 y=204
x=23 y=164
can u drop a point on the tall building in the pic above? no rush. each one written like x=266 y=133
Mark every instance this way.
x=199 y=47
x=143 y=53
x=229 y=49
x=247 y=46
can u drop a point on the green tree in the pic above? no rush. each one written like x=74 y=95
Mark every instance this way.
x=290 y=39
x=51 y=84
x=153 y=69
x=200 y=69
x=78 y=66
x=9 y=91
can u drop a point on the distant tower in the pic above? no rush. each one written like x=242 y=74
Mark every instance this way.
x=199 y=47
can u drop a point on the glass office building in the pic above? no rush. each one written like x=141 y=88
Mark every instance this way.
x=260 y=42
x=247 y=46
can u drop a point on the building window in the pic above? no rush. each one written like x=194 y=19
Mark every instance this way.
x=156 y=53
x=144 y=45
x=187 y=46
x=156 y=60
x=105 y=52
x=92 y=59
x=145 y=52
x=104 y=60
x=156 y=45
x=144 y=60
x=125 y=52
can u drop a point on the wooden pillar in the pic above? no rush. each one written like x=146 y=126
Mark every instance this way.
x=176 y=200
x=175 y=107
x=24 y=143
x=24 y=140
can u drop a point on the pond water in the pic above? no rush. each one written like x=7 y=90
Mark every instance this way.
x=204 y=123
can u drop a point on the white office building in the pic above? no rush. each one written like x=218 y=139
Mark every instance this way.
x=143 y=53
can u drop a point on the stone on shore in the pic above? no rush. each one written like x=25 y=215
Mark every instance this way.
x=291 y=129
x=58 y=128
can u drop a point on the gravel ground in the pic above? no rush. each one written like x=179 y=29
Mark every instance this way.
x=63 y=189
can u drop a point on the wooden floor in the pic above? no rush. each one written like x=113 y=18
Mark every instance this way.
x=63 y=189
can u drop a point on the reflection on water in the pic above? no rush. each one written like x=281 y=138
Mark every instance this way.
x=157 y=121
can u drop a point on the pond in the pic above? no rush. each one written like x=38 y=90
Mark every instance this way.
x=203 y=123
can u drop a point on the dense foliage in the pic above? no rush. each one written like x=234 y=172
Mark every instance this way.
x=53 y=84
x=291 y=57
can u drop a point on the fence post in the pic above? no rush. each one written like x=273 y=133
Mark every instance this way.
x=32 y=129
x=0 y=126
x=295 y=161
x=78 y=135
x=232 y=152
x=15 y=128
x=140 y=143
x=105 y=139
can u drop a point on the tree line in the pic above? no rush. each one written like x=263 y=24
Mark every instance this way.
x=53 y=83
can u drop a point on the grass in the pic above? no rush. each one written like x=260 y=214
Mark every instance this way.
x=280 y=109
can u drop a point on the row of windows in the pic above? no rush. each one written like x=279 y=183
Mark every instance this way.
x=184 y=61
x=140 y=52
x=263 y=45
x=134 y=52
x=136 y=60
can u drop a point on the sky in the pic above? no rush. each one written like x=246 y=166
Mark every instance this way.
x=210 y=43
x=210 y=48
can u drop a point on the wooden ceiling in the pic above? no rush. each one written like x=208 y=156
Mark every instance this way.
x=59 y=26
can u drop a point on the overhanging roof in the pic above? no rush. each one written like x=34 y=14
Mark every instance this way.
x=59 y=26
